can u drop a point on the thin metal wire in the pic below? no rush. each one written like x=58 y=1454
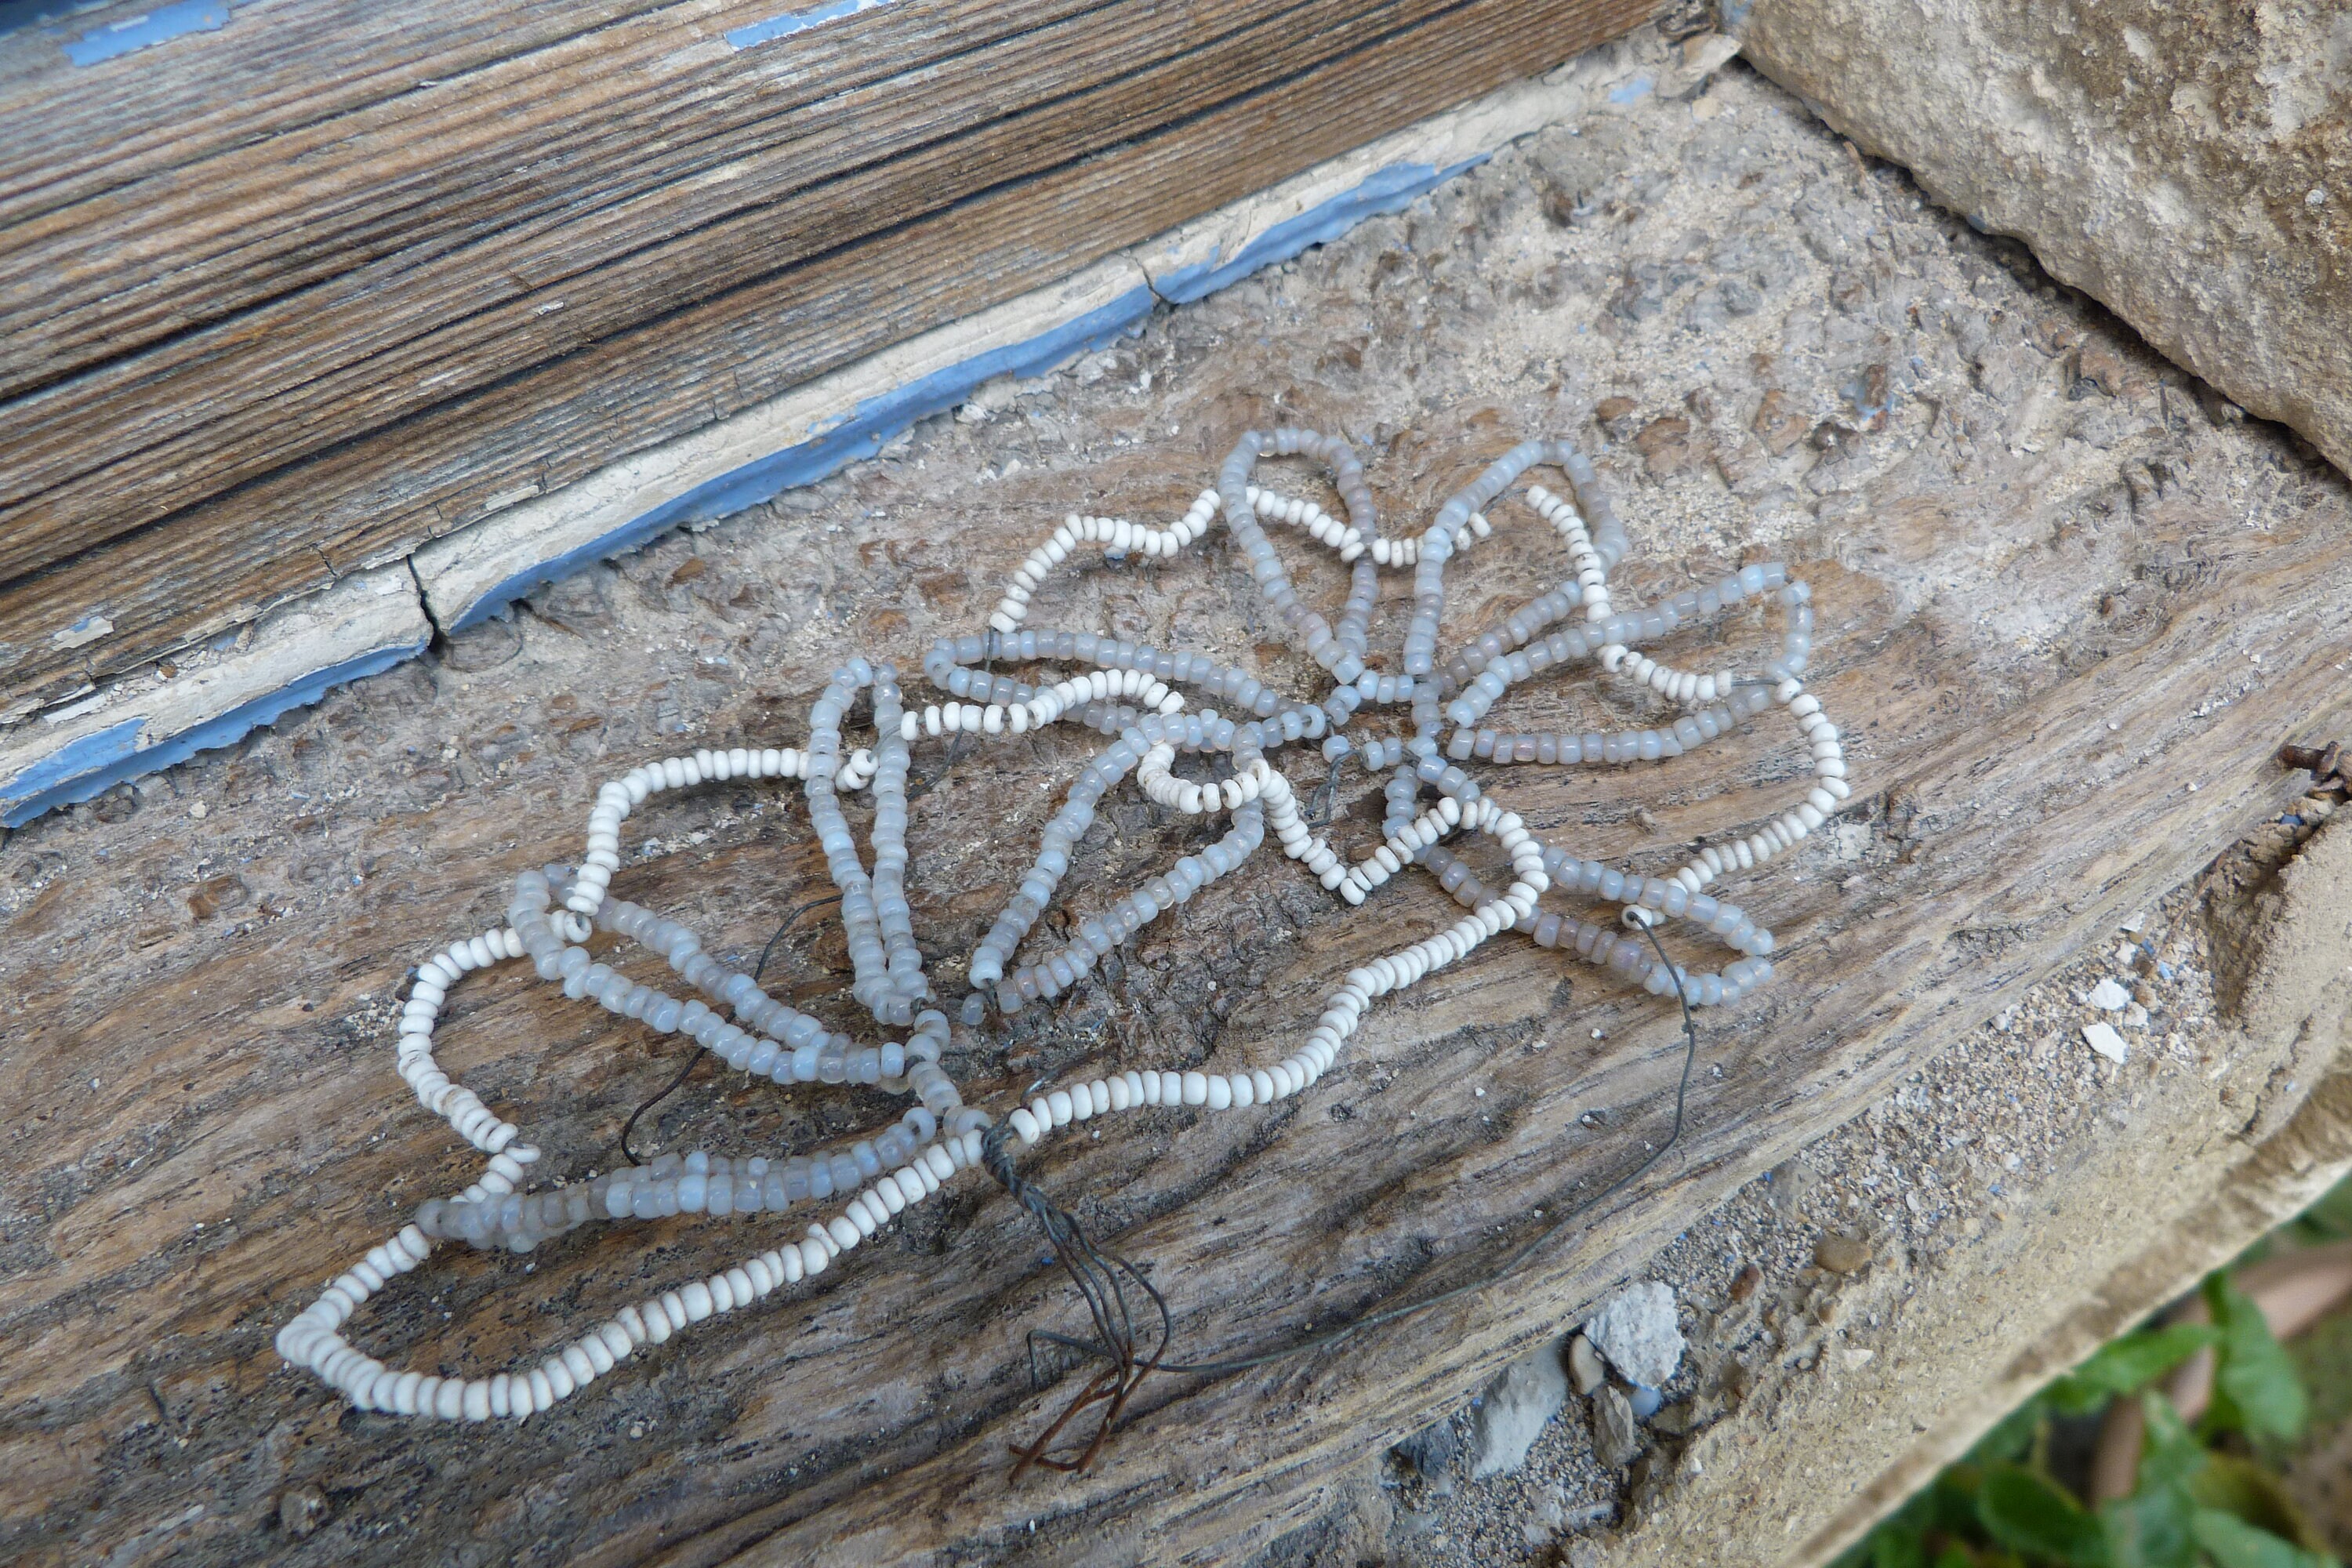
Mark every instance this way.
x=1511 y=1264
x=961 y=742
x=695 y=1053
x=1326 y=798
x=1097 y=1274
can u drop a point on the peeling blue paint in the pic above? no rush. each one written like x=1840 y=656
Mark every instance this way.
x=792 y=22
x=157 y=27
x=1390 y=189
x=1633 y=91
x=860 y=435
x=85 y=767
x=71 y=761
x=96 y=763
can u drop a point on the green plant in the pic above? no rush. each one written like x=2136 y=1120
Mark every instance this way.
x=2198 y=1501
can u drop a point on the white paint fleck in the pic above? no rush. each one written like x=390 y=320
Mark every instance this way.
x=2108 y=996
x=88 y=629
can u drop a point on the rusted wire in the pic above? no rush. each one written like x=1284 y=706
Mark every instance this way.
x=1090 y=1268
x=1098 y=1276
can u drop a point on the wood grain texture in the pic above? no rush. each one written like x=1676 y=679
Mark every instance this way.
x=211 y=1119
x=247 y=366
x=2047 y=610
x=366 y=345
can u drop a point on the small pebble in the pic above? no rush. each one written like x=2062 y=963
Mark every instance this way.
x=2135 y=1016
x=1644 y=1401
x=1615 y=1437
x=197 y=811
x=1842 y=1253
x=2107 y=995
x=1584 y=1366
x=302 y=1510
x=1791 y=1180
x=1675 y=1420
x=1515 y=1409
x=2104 y=1040
x=1428 y=1452
x=1744 y=1283
x=1634 y=1331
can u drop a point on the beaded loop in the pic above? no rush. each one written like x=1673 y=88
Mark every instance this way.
x=1137 y=695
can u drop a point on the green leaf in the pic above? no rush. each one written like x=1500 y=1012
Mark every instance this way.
x=2170 y=1455
x=2022 y=1509
x=2244 y=1490
x=1951 y=1502
x=2149 y=1528
x=1898 y=1540
x=2329 y=1220
x=2234 y=1543
x=2012 y=1436
x=2255 y=1386
x=1955 y=1557
x=1893 y=1545
x=2128 y=1365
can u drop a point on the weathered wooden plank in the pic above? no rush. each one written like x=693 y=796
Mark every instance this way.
x=2034 y=662
x=80 y=132
x=528 y=271
x=618 y=113
x=336 y=110
x=2034 y=794
x=2029 y=827
x=370 y=499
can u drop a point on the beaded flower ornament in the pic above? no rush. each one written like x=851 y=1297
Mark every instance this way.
x=1141 y=697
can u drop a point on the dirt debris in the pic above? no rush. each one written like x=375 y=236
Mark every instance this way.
x=1797 y=1283
x=1696 y=262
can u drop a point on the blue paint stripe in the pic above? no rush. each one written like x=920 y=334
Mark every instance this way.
x=75 y=758
x=81 y=770
x=102 y=760
x=792 y=22
x=1388 y=190
x=863 y=434
x=160 y=25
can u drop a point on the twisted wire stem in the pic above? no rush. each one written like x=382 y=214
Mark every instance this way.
x=1097 y=1274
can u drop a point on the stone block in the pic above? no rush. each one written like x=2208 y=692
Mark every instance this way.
x=2187 y=162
